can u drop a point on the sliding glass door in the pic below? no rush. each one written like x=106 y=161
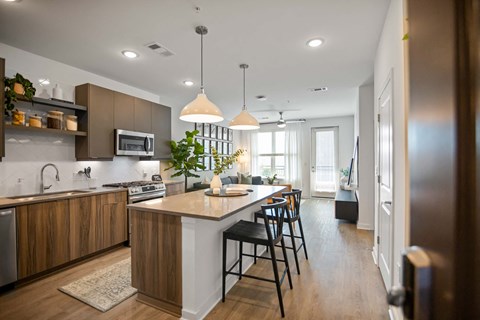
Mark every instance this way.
x=324 y=162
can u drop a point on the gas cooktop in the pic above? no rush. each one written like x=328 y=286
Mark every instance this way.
x=129 y=184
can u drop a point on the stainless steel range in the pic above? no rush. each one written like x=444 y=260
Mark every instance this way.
x=140 y=191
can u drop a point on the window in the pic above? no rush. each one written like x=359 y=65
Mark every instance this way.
x=271 y=154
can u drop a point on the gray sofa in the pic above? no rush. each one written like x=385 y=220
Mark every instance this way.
x=227 y=180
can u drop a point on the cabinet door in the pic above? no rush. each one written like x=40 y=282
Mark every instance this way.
x=85 y=227
x=100 y=128
x=43 y=234
x=114 y=218
x=174 y=188
x=162 y=128
x=2 y=98
x=123 y=111
x=143 y=115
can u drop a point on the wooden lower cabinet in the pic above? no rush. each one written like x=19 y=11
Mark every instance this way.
x=56 y=232
x=174 y=187
x=114 y=218
x=43 y=233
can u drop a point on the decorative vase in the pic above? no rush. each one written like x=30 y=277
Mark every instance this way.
x=18 y=88
x=216 y=184
x=57 y=93
x=343 y=182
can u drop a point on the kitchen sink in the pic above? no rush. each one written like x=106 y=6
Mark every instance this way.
x=48 y=195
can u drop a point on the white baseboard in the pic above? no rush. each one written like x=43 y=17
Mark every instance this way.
x=364 y=226
x=374 y=256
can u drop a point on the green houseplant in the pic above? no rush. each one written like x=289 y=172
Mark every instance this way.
x=272 y=179
x=221 y=163
x=186 y=155
x=15 y=86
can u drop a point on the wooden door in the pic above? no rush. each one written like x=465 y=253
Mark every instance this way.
x=123 y=117
x=113 y=208
x=143 y=115
x=85 y=228
x=444 y=150
x=43 y=234
x=385 y=207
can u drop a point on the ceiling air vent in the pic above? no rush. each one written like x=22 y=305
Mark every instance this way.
x=159 y=49
x=318 y=89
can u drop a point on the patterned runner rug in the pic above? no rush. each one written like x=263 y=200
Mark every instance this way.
x=105 y=288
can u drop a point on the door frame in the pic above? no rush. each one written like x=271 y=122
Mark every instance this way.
x=388 y=81
x=313 y=154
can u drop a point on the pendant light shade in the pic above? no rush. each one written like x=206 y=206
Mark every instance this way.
x=201 y=109
x=244 y=121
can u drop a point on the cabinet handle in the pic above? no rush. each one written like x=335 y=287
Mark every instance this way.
x=5 y=213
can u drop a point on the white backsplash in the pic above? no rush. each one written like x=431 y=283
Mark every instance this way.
x=26 y=154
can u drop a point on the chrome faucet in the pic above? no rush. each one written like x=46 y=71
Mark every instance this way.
x=42 y=186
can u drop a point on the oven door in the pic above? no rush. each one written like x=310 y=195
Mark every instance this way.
x=139 y=198
x=132 y=143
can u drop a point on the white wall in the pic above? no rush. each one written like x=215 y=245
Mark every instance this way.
x=366 y=161
x=27 y=153
x=390 y=58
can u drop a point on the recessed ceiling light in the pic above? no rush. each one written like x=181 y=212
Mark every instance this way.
x=261 y=98
x=188 y=83
x=314 y=42
x=129 y=54
x=44 y=82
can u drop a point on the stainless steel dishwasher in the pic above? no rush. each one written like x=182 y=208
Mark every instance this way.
x=8 y=246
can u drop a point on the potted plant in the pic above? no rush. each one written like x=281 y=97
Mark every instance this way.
x=272 y=179
x=344 y=177
x=186 y=155
x=221 y=164
x=17 y=85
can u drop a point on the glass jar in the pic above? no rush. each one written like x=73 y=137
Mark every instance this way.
x=71 y=123
x=55 y=120
x=18 y=118
x=35 y=121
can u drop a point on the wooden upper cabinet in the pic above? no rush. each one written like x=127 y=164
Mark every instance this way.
x=2 y=98
x=124 y=106
x=162 y=128
x=143 y=115
x=99 y=143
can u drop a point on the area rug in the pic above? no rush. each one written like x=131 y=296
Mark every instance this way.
x=105 y=288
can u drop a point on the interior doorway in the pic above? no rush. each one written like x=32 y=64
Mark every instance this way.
x=324 y=169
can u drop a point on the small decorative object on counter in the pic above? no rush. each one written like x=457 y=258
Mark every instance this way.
x=55 y=120
x=72 y=122
x=216 y=184
x=18 y=118
x=221 y=164
x=344 y=177
x=35 y=121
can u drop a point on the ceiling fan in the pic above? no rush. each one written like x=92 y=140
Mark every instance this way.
x=282 y=123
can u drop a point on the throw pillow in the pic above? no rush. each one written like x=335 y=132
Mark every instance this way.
x=239 y=175
x=245 y=178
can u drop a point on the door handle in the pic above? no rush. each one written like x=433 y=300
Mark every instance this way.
x=146 y=144
x=415 y=293
x=387 y=202
x=313 y=169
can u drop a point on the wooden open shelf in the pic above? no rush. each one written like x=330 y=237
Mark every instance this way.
x=45 y=130
x=22 y=102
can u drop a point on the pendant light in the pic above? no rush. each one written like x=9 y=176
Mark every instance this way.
x=281 y=123
x=201 y=109
x=244 y=121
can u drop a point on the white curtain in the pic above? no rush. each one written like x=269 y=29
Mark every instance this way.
x=248 y=141
x=293 y=154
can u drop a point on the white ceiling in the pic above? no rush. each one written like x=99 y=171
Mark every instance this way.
x=269 y=35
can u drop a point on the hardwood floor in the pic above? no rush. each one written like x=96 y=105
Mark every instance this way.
x=339 y=281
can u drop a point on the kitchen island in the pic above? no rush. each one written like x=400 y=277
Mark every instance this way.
x=177 y=247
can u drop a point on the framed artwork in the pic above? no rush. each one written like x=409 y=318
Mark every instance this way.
x=206 y=163
x=199 y=127
x=219 y=147
x=230 y=135
x=225 y=148
x=213 y=131
x=225 y=133
x=212 y=164
x=206 y=129
x=230 y=148
x=206 y=146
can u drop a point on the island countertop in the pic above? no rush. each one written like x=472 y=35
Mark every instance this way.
x=198 y=205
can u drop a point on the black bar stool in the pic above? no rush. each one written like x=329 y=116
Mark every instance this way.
x=293 y=215
x=268 y=234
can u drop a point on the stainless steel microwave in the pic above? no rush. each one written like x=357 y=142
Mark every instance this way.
x=133 y=143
